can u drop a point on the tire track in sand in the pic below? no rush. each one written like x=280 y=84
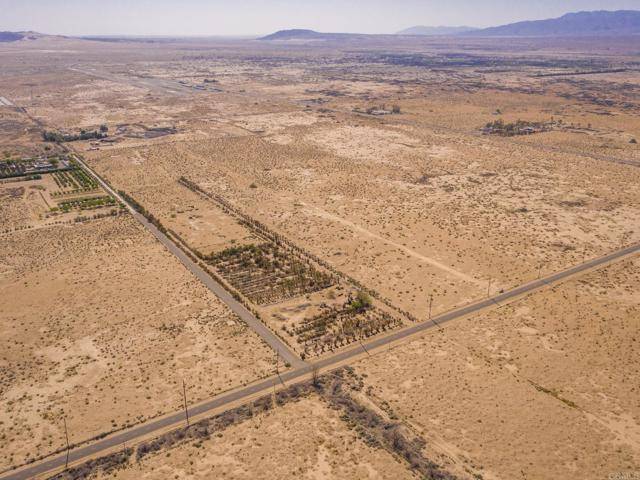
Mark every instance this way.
x=431 y=261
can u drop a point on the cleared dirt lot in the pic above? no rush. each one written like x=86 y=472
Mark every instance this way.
x=100 y=325
x=544 y=387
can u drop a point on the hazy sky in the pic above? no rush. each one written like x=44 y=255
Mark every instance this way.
x=251 y=17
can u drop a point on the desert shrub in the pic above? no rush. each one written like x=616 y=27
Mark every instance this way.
x=106 y=465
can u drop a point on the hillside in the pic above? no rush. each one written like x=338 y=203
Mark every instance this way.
x=598 y=23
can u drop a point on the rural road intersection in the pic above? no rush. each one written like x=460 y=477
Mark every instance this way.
x=299 y=370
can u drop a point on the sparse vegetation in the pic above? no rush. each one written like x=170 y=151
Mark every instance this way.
x=335 y=389
x=338 y=190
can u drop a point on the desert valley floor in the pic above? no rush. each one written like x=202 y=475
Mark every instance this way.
x=339 y=192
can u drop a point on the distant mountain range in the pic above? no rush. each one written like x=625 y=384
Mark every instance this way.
x=422 y=30
x=300 y=34
x=11 y=36
x=15 y=36
x=598 y=23
x=580 y=24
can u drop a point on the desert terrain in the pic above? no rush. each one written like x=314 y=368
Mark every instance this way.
x=100 y=328
x=301 y=440
x=339 y=192
x=550 y=376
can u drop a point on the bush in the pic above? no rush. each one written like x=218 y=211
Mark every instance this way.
x=361 y=302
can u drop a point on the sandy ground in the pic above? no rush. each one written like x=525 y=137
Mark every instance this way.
x=544 y=387
x=100 y=326
x=305 y=440
x=470 y=212
x=414 y=205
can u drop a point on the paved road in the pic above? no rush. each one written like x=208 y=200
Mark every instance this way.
x=169 y=86
x=267 y=335
x=129 y=436
x=477 y=306
x=266 y=385
x=249 y=318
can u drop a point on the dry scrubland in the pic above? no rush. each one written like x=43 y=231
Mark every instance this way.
x=546 y=387
x=323 y=428
x=203 y=226
x=412 y=205
x=443 y=218
x=100 y=325
x=299 y=440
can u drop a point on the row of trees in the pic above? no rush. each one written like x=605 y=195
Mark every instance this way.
x=519 y=127
x=51 y=136
x=280 y=240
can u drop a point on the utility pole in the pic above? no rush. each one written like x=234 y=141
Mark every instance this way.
x=430 y=316
x=278 y=368
x=363 y=347
x=274 y=392
x=539 y=270
x=66 y=434
x=184 y=396
x=489 y=288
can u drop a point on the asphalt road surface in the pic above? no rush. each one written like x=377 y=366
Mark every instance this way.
x=166 y=86
x=300 y=368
